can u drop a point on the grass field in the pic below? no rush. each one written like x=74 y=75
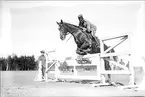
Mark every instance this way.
x=21 y=84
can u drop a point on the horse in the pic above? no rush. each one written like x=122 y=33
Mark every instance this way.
x=85 y=45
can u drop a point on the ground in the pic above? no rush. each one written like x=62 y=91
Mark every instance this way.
x=21 y=84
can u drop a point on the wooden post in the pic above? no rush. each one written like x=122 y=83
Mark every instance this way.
x=57 y=73
x=101 y=52
x=98 y=66
x=131 y=68
x=75 y=71
x=102 y=63
x=46 y=74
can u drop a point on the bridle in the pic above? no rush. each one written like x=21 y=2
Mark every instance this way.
x=65 y=29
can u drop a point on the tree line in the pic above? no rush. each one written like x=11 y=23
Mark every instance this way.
x=14 y=63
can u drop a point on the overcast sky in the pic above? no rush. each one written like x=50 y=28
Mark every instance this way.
x=33 y=24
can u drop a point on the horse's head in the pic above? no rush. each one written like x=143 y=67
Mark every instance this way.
x=62 y=29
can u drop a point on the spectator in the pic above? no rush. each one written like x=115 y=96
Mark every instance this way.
x=42 y=59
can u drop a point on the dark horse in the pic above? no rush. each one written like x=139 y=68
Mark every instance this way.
x=84 y=44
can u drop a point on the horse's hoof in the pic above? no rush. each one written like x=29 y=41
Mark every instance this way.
x=81 y=53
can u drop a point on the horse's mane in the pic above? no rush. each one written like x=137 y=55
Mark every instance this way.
x=72 y=25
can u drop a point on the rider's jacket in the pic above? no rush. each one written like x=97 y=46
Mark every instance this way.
x=42 y=58
x=88 y=25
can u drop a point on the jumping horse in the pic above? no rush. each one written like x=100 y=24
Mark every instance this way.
x=85 y=45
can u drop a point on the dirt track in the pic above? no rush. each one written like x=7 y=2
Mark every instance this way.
x=20 y=84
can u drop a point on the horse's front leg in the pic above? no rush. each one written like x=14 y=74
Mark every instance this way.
x=85 y=47
x=80 y=52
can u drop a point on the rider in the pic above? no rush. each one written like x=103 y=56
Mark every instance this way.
x=87 y=26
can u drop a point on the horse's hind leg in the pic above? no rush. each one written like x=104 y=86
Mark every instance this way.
x=80 y=52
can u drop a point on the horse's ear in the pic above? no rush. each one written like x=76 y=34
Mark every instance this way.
x=61 y=21
x=57 y=22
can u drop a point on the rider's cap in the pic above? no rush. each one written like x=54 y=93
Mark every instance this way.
x=80 y=15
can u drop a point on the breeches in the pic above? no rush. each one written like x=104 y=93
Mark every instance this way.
x=93 y=30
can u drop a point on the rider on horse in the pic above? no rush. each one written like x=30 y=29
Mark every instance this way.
x=87 y=27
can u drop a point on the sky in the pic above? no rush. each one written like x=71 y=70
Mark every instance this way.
x=31 y=26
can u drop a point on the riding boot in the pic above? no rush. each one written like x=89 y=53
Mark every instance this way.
x=90 y=40
x=96 y=40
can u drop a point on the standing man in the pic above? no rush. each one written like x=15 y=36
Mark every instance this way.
x=88 y=27
x=42 y=59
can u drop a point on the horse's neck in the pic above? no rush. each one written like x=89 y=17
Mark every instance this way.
x=73 y=31
x=72 y=28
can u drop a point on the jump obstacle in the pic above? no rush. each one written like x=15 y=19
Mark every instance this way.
x=98 y=61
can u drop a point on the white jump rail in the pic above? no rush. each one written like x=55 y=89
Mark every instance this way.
x=75 y=74
x=106 y=53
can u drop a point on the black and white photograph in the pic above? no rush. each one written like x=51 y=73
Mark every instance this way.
x=72 y=48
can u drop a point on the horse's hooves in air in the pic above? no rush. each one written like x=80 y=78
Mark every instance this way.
x=81 y=53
